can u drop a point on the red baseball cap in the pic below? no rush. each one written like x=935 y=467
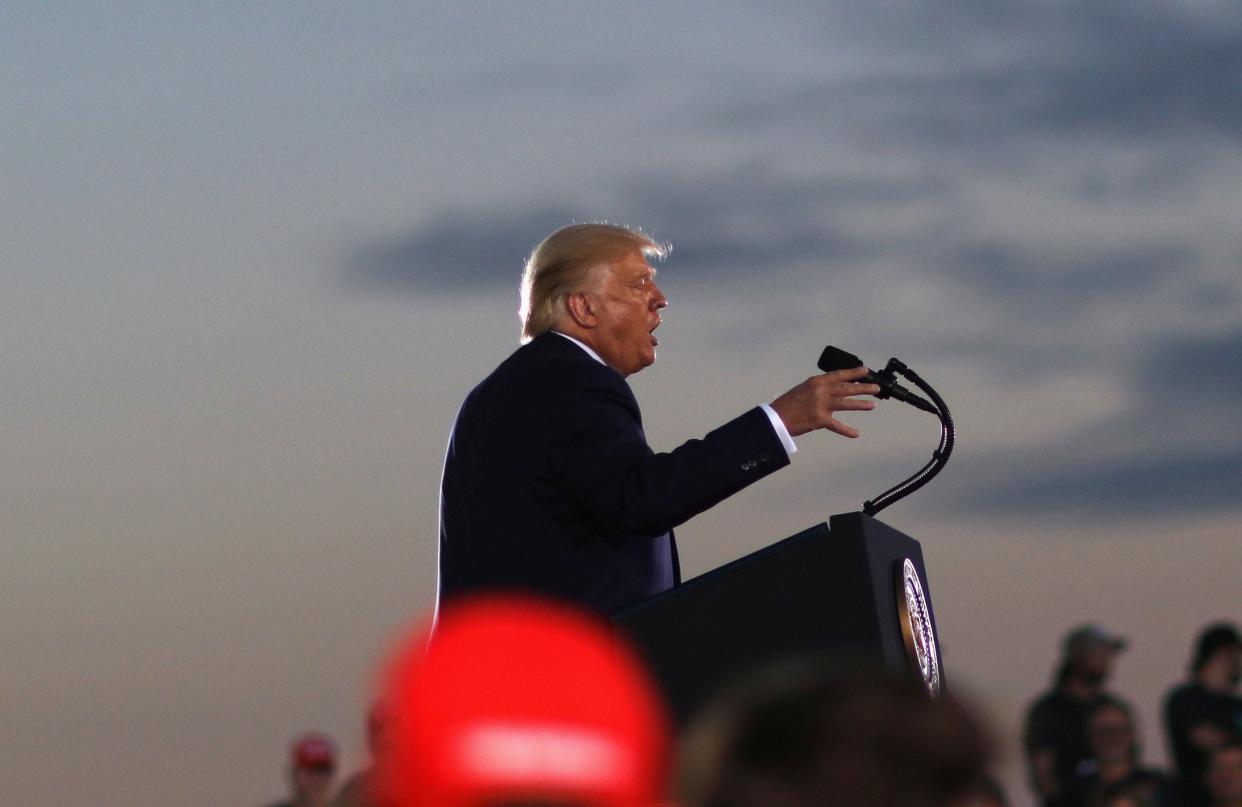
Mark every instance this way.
x=517 y=699
x=313 y=750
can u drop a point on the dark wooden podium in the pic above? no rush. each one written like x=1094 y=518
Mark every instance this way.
x=843 y=587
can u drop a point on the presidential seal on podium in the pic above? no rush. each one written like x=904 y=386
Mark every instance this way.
x=916 y=626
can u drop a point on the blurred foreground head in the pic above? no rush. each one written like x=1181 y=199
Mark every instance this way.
x=519 y=702
x=811 y=735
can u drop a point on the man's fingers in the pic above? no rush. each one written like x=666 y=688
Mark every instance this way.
x=854 y=403
x=851 y=374
x=861 y=389
x=840 y=428
x=810 y=405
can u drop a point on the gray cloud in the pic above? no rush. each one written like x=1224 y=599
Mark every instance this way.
x=1062 y=283
x=1207 y=296
x=735 y=221
x=722 y=224
x=1211 y=362
x=994 y=77
x=456 y=251
x=1184 y=396
x=1136 y=70
x=1197 y=483
x=1140 y=71
x=526 y=77
x=1183 y=450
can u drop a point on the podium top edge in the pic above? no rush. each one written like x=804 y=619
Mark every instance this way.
x=711 y=574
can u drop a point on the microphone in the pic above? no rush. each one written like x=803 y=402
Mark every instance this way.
x=834 y=358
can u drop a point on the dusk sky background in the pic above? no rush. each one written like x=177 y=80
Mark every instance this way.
x=253 y=255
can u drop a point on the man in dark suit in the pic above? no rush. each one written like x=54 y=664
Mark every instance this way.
x=549 y=484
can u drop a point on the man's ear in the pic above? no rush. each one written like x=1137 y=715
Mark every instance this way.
x=581 y=310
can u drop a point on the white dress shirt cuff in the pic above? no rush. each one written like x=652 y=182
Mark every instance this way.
x=778 y=426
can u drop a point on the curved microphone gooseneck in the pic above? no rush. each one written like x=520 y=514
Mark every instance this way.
x=835 y=359
x=939 y=458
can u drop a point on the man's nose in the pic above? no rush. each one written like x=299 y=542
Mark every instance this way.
x=658 y=300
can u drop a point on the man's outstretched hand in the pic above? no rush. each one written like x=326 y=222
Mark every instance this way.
x=811 y=404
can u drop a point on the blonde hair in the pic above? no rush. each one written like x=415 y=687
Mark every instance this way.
x=559 y=266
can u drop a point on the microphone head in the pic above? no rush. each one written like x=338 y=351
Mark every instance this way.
x=834 y=358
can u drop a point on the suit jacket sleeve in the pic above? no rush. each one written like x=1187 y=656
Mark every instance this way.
x=601 y=458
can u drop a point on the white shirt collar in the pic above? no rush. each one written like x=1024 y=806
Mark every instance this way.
x=580 y=344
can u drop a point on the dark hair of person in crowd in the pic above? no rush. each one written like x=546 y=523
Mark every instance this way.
x=840 y=733
x=1211 y=640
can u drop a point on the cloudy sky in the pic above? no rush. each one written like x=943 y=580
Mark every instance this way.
x=254 y=254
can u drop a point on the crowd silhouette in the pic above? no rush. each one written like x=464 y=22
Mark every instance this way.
x=517 y=702
x=1081 y=741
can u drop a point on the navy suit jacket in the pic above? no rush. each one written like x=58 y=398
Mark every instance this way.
x=549 y=484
